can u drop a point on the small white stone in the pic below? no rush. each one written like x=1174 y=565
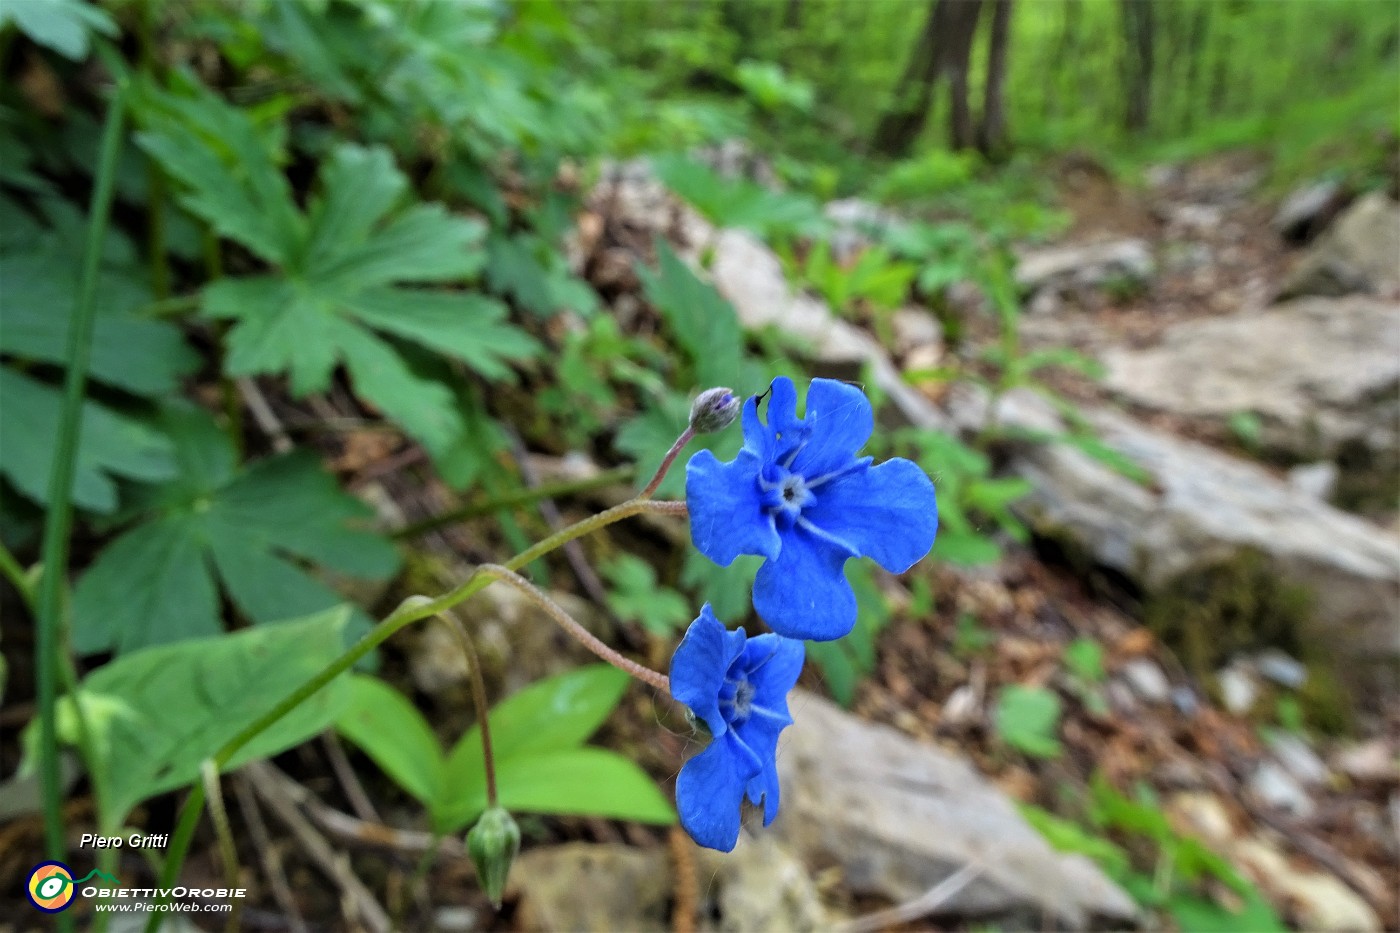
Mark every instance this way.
x=1297 y=757
x=1315 y=480
x=1276 y=788
x=1281 y=669
x=1147 y=680
x=1238 y=689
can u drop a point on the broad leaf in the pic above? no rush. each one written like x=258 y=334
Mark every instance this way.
x=157 y=714
x=246 y=528
x=339 y=294
x=583 y=781
x=66 y=26
x=556 y=713
x=1027 y=718
x=109 y=444
x=385 y=726
x=704 y=324
x=130 y=352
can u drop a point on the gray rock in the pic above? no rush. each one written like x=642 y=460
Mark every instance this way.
x=583 y=886
x=1202 y=507
x=1296 y=757
x=1307 y=210
x=899 y=817
x=1147 y=680
x=1358 y=253
x=1315 y=480
x=1085 y=265
x=1319 y=374
x=455 y=919
x=761 y=886
x=749 y=274
x=1276 y=788
x=913 y=328
x=1371 y=761
x=855 y=225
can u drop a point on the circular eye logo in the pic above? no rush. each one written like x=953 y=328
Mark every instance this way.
x=51 y=887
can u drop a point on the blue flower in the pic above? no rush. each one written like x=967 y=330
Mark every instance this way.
x=798 y=495
x=737 y=686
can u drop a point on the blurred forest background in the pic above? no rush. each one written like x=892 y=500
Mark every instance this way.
x=378 y=291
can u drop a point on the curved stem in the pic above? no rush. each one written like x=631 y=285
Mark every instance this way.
x=666 y=462
x=413 y=609
x=479 y=698
x=573 y=627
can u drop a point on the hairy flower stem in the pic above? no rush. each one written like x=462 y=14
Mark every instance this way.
x=478 y=698
x=413 y=609
x=666 y=462
x=228 y=852
x=571 y=625
x=58 y=521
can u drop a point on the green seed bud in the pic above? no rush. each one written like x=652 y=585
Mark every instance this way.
x=493 y=843
x=714 y=410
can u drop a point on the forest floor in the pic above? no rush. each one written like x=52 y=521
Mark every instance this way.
x=934 y=676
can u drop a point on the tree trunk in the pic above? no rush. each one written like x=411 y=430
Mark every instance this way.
x=962 y=29
x=1138 y=36
x=907 y=113
x=991 y=135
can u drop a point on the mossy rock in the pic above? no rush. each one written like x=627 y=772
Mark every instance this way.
x=1239 y=606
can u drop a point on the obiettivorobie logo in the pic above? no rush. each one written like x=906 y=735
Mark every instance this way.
x=52 y=886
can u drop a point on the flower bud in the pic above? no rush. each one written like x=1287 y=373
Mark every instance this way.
x=714 y=410
x=493 y=843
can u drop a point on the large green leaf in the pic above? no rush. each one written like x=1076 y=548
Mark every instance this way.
x=583 y=781
x=248 y=529
x=387 y=727
x=155 y=715
x=340 y=292
x=704 y=324
x=62 y=25
x=110 y=444
x=555 y=713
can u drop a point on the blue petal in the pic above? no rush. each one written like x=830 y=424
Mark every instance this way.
x=709 y=792
x=700 y=665
x=773 y=664
x=726 y=513
x=782 y=406
x=839 y=420
x=764 y=789
x=758 y=437
x=888 y=512
x=803 y=593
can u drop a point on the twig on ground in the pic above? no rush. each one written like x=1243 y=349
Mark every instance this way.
x=349 y=783
x=263 y=414
x=268 y=854
x=358 y=905
x=687 y=887
x=919 y=907
x=369 y=833
x=573 y=551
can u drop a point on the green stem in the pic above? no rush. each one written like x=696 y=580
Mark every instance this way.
x=413 y=609
x=521 y=497
x=14 y=572
x=58 y=521
x=479 y=699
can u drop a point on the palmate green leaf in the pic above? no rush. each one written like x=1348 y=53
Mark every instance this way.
x=637 y=597
x=129 y=352
x=385 y=726
x=339 y=295
x=158 y=713
x=109 y=444
x=247 y=530
x=230 y=175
